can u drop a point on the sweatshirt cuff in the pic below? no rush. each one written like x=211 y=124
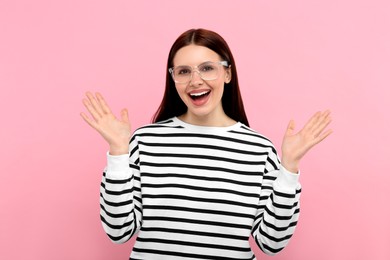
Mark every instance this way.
x=117 y=163
x=287 y=180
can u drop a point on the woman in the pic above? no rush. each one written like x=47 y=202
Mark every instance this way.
x=199 y=181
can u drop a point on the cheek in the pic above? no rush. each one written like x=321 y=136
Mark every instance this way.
x=181 y=90
x=220 y=88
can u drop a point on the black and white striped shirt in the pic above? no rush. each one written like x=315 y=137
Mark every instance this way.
x=196 y=192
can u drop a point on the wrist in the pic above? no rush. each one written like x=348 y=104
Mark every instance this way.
x=291 y=166
x=119 y=150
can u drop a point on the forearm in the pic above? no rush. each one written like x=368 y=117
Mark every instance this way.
x=280 y=214
x=290 y=165
x=117 y=199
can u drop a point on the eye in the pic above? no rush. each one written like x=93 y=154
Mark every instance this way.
x=206 y=67
x=182 y=71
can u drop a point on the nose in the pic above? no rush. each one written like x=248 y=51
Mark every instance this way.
x=196 y=79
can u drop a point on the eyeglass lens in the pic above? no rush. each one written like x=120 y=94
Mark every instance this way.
x=207 y=71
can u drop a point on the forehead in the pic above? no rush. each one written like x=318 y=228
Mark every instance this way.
x=194 y=55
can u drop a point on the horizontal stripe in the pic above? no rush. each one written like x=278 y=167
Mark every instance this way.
x=189 y=187
x=127 y=234
x=268 y=177
x=288 y=217
x=196 y=221
x=199 y=156
x=199 y=167
x=270 y=249
x=193 y=244
x=116 y=193
x=112 y=226
x=252 y=134
x=284 y=195
x=184 y=255
x=204 y=178
x=207 y=200
x=274 y=239
x=280 y=229
x=116 y=204
x=115 y=215
x=159 y=125
x=201 y=146
x=204 y=136
x=135 y=166
x=193 y=232
x=123 y=181
x=196 y=210
x=116 y=181
x=283 y=206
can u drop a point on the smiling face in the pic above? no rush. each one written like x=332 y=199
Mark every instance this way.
x=202 y=98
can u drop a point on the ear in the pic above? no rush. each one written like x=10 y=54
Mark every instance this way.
x=228 y=75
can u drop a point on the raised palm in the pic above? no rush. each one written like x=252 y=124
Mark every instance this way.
x=117 y=132
x=296 y=145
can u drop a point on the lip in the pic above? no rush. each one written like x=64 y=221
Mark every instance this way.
x=197 y=91
x=202 y=100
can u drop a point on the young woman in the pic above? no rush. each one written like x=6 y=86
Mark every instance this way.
x=197 y=182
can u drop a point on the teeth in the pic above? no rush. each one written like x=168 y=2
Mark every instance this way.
x=199 y=94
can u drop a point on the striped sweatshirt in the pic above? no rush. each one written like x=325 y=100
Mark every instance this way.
x=197 y=192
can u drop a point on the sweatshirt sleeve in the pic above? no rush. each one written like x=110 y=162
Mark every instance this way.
x=120 y=195
x=278 y=208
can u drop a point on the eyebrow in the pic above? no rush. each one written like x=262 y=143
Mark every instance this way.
x=196 y=65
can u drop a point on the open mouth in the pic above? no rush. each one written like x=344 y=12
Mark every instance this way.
x=200 y=95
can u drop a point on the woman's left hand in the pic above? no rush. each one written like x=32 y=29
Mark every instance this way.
x=296 y=145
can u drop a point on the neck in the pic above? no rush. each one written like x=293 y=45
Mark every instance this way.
x=207 y=120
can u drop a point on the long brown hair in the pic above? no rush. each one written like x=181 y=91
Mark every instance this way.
x=172 y=105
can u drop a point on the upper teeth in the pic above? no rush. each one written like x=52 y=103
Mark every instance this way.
x=199 y=94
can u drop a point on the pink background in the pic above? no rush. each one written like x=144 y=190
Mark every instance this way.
x=293 y=58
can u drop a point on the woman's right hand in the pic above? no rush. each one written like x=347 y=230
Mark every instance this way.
x=116 y=132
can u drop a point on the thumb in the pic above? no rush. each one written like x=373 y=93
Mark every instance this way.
x=290 y=128
x=125 y=115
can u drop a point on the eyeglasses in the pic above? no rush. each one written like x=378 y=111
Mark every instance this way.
x=207 y=71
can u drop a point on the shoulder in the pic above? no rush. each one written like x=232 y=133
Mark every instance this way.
x=264 y=144
x=159 y=127
x=248 y=134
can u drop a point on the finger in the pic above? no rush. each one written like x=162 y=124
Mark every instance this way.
x=321 y=126
x=323 y=136
x=322 y=122
x=91 y=109
x=105 y=108
x=312 y=121
x=324 y=115
x=125 y=116
x=89 y=121
x=94 y=103
x=290 y=128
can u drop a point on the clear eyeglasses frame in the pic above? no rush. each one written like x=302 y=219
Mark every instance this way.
x=207 y=71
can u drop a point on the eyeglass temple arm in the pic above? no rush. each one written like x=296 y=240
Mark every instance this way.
x=224 y=63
